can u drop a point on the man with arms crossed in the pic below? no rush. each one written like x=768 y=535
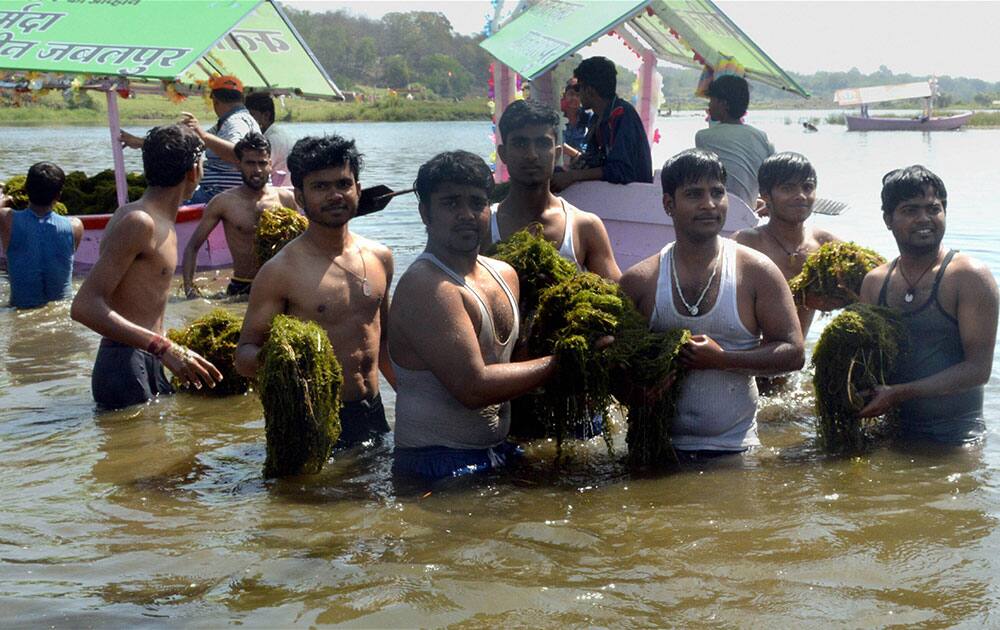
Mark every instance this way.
x=239 y=210
x=949 y=306
x=788 y=187
x=529 y=137
x=733 y=299
x=333 y=277
x=453 y=328
x=124 y=297
x=38 y=242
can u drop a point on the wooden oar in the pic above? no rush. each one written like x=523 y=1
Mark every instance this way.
x=377 y=198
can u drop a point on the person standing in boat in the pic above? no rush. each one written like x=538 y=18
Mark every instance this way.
x=577 y=122
x=788 y=187
x=261 y=107
x=124 y=298
x=734 y=300
x=949 y=306
x=39 y=244
x=617 y=147
x=528 y=139
x=331 y=276
x=239 y=211
x=741 y=147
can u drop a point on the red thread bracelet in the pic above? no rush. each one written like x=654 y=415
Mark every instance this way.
x=158 y=346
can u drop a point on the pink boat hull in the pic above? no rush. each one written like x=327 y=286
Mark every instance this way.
x=947 y=123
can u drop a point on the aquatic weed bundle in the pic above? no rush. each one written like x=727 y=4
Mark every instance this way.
x=834 y=272
x=275 y=229
x=299 y=382
x=214 y=336
x=14 y=188
x=538 y=266
x=857 y=350
x=98 y=194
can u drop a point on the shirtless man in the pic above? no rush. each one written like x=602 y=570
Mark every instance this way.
x=949 y=304
x=124 y=297
x=733 y=299
x=239 y=210
x=453 y=328
x=788 y=186
x=529 y=137
x=333 y=277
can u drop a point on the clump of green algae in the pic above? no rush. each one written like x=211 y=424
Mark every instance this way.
x=275 y=229
x=214 y=336
x=299 y=382
x=14 y=188
x=859 y=349
x=835 y=272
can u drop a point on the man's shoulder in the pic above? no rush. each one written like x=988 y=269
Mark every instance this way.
x=964 y=267
x=373 y=246
x=750 y=258
x=749 y=237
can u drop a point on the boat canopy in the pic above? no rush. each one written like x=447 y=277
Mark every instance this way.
x=692 y=33
x=883 y=93
x=169 y=40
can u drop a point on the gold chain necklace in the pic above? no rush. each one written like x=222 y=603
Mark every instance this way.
x=366 y=287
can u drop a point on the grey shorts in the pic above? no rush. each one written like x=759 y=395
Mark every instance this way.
x=125 y=376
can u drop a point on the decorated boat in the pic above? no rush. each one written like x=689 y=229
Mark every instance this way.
x=926 y=121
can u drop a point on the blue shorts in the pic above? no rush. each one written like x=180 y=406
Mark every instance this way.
x=441 y=462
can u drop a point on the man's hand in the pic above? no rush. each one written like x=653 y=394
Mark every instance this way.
x=190 y=121
x=130 y=141
x=884 y=398
x=561 y=180
x=702 y=352
x=190 y=368
x=649 y=396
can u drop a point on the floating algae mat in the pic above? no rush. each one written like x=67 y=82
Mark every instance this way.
x=857 y=350
x=834 y=272
x=299 y=383
x=214 y=336
x=275 y=229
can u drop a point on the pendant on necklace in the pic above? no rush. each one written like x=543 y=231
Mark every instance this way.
x=693 y=310
x=366 y=287
x=908 y=297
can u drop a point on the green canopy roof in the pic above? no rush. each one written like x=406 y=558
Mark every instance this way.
x=675 y=30
x=182 y=40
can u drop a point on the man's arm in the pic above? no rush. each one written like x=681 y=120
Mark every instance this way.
x=77 y=232
x=267 y=299
x=781 y=349
x=442 y=336
x=219 y=146
x=598 y=258
x=6 y=220
x=384 y=364
x=91 y=306
x=287 y=199
x=977 y=326
x=210 y=217
x=563 y=179
x=131 y=141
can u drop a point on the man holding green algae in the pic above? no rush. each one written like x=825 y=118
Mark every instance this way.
x=732 y=298
x=333 y=277
x=124 y=298
x=949 y=305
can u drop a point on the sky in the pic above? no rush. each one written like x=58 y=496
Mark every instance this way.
x=943 y=38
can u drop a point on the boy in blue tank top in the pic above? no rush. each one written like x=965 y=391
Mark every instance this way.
x=39 y=243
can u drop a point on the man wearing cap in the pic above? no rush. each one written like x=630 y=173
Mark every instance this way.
x=234 y=122
x=741 y=148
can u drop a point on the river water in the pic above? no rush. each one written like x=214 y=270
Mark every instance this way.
x=158 y=515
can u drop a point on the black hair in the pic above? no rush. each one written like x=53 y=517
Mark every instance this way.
x=907 y=183
x=260 y=102
x=734 y=91
x=782 y=168
x=600 y=74
x=689 y=167
x=44 y=183
x=253 y=141
x=315 y=153
x=454 y=167
x=227 y=96
x=168 y=153
x=520 y=114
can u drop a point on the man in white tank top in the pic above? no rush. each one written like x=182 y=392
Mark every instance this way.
x=733 y=299
x=452 y=329
x=529 y=137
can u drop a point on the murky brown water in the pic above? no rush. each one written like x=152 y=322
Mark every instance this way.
x=158 y=515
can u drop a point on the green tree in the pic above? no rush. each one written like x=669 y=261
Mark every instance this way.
x=396 y=72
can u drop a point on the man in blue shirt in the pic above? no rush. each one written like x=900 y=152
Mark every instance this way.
x=38 y=242
x=617 y=147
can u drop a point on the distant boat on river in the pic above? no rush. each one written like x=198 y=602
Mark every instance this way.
x=926 y=90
